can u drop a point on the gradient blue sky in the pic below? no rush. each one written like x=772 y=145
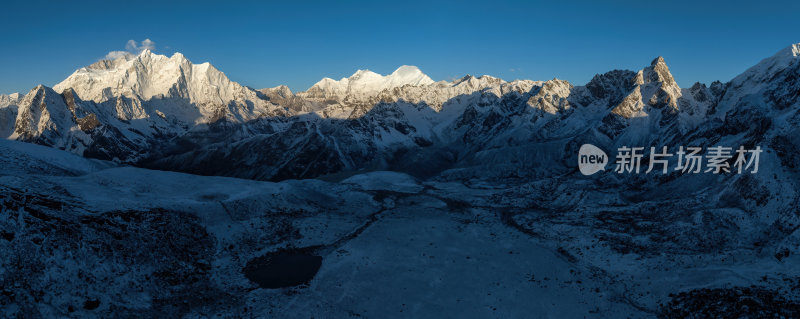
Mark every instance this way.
x=262 y=44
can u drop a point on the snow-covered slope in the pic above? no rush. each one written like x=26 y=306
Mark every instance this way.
x=90 y=239
x=21 y=159
x=772 y=81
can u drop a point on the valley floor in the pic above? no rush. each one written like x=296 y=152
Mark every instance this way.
x=85 y=238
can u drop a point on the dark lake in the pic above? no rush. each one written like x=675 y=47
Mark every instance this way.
x=283 y=268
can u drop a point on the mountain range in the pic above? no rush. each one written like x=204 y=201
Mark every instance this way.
x=168 y=113
x=407 y=195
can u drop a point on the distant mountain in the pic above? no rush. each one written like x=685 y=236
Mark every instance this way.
x=365 y=83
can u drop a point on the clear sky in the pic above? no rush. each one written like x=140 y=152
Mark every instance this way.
x=262 y=44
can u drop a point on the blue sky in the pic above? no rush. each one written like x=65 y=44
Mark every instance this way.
x=262 y=44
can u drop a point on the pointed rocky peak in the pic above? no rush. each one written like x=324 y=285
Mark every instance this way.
x=38 y=91
x=657 y=72
x=41 y=97
x=654 y=87
x=657 y=61
x=658 y=86
x=42 y=109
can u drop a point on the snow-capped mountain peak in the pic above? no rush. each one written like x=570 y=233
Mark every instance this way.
x=146 y=76
x=408 y=74
x=198 y=92
x=112 y=108
x=364 y=82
